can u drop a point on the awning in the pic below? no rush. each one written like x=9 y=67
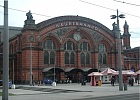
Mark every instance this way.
x=138 y=72
x=73 y=69
x=108 y=71
x=125 y=72
x=86 y=69
x=89 y=70
x=95 y=74
x=52 y=68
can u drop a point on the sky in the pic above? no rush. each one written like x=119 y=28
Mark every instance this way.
x=98 y=10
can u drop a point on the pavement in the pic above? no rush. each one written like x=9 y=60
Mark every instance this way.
x=71 y=91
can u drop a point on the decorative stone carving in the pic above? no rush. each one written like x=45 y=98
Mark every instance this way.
x=97 y=37
x=59 y=32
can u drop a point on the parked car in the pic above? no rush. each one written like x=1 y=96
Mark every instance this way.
x=10 y=83
x=47 y=81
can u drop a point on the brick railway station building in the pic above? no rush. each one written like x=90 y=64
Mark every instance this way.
x=65 y=47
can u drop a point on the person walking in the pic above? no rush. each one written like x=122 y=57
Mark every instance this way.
x=112 y=81
x=132 y=81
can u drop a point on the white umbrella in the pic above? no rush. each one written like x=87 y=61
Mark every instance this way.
x=125 y=72
x=138 y=72
x=95 y=74
x=108 y=71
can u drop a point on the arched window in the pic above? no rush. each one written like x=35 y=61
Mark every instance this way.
x=102 y=48
x=49 y=44
x=69 y=45
x=49 y=54
x=85 y=56
x=66 y=58
x=52 y=58
x=82 y=58
x=72 y=56
x=69 y=52
x=46 y=57
x=84 y=46
x=102 y=57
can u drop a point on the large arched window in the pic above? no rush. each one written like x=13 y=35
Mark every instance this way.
x=49 y=44
x=52 y=57
x=82 y=58
x=46 y=57
x=72 y=58
x=69 y=52
x=49 y=53
x=102 y=57
x=69 y=45
x=66 y=58
x=84 y=46
x=85 y=56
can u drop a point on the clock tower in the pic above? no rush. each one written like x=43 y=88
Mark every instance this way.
x=126 y=36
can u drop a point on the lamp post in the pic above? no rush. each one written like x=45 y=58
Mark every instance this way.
x=30 y=64
x=31 y=40
x=5 y=53
x=119 y=49
x=38 y=57
x=54 y=83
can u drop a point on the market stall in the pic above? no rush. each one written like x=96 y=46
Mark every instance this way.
x=107 y=75
x=95 y=78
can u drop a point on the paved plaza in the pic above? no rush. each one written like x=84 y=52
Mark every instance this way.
x=71 y=91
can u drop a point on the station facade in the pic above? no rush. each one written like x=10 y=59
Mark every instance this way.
x=65 y=47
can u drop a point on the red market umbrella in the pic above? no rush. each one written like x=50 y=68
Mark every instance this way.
x=108 y=71
x=95 y=74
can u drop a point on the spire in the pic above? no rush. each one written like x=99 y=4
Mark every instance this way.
x=126 y=36
x=126 y=28
x=126 y=25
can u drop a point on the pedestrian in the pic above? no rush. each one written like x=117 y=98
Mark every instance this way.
x=132 y=81
x=38 y=83
x=129 y=81
x=136 y=79
x=113 y=81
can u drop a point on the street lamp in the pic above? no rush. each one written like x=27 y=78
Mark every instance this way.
x=31 y=40
x=119 y=49
x=54 y=83
x=39 y=43
x=31 y=64
x=5 y=53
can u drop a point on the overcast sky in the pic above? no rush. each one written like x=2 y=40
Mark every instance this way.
x=98 y=10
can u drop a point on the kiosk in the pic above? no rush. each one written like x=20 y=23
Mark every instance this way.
x=95 y=78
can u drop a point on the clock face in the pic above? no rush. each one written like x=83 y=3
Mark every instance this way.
x=77 y=36
x=31 y=38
